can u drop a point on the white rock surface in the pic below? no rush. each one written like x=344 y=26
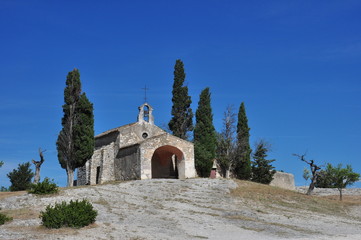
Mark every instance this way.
x=176 y=209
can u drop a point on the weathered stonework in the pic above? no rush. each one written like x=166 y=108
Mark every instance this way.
x=283 y=180
x=140 y=150
x=167 y=143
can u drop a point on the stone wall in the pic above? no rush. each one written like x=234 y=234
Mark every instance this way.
x=108 y=154
x=283 y=180
x=106 y=139
x=185 y=154
x=127 y=164
x=93 y=166
x=99 y=166
x=125 y=153
x=135 y=133
x=83 y=174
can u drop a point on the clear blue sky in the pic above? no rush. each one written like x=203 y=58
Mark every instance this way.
x=295 y=64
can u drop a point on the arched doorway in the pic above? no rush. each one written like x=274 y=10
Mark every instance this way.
x=167 y=162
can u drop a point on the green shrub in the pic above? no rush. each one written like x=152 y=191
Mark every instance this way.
x=45 y=187
x=4 y=218
x=20 y=178
x=74 y=214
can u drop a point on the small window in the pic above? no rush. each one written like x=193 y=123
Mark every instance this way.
x=145 y=135
x=97 y=179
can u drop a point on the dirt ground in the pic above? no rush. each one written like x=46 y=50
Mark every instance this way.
x=189 y=209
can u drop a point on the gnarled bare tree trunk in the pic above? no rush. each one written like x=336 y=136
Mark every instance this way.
x=38 y=165
x=314 y=168
x=340 y=190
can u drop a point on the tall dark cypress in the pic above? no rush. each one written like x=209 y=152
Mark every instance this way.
x=242 y=167
x=75 y=142
x=205 y=140
x=181 y=122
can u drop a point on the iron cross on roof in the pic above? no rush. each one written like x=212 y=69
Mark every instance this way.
x=145 y=92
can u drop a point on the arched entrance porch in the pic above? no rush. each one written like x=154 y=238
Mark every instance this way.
x=167 y=162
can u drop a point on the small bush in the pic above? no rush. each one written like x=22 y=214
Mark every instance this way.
x=75 y=214
x=4 y=218
x=45 y=187
x=20 y=178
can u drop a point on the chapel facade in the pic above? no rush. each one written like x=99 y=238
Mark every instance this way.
x=139 y=150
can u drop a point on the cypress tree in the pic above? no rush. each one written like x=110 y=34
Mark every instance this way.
x=75 y=142
x=181 y=122
x=262 y=170
x=204 y=135
x=242 y=168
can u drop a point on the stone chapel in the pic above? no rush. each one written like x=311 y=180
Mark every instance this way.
x=139 y=150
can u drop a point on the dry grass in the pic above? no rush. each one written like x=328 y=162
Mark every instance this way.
x=42 y=232
x=11 y=194
x=22 y=213
x=346 y=199
x=277 y=198
x=288 y=226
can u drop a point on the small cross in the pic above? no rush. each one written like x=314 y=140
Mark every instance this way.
x=145 y=93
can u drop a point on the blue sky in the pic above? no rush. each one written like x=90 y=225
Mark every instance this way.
x=295 y=64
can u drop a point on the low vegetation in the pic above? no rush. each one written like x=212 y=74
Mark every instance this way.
x=268 y=197
x=262 y=169
x=45 y=187
x=20 y=178
x=75 y=214
x=4 y=218
x=337 y=177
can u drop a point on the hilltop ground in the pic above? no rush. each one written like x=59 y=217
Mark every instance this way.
x=190 y=209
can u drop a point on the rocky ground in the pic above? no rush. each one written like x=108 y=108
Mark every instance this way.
x=176 y=209
x=331 y=191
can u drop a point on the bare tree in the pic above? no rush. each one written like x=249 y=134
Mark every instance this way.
x=314 y=168
x=226 y=142
x=38 y=165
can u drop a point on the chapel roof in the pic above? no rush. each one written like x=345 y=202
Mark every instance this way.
x=163 y=135
x=114 y=130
